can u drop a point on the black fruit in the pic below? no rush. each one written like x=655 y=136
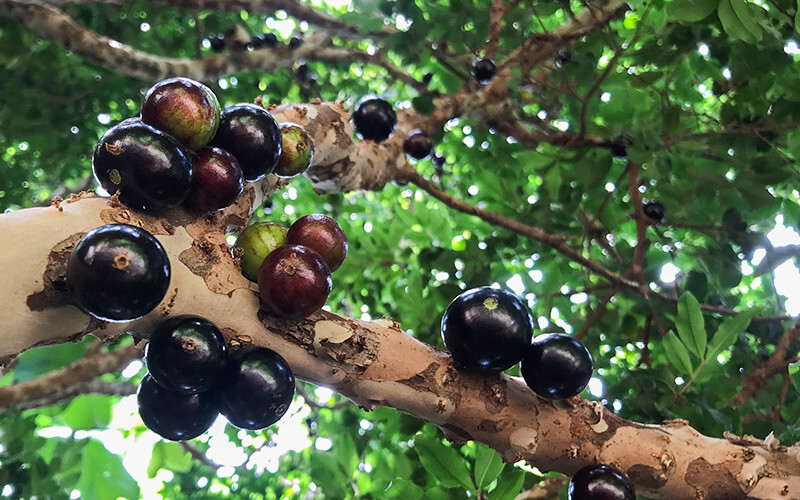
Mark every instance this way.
x=118 y=272
x=486 y=329
x=619 y=148
x=418 y=144
x=483 y=70
x=217 y=43
x=323 y=235
x=149 y=168
x=563 y=57
x=267 y=39
x=185 y=109
x=258 y=389
x=600 y=482
x=186 y=354
x=294 y=281
x=304 y=73
x=654 y=210
x=295 y=42
x=438 y=161
x=257 y=241
x=252 y=135
x=556 y=366
x=218 y=180
x=374 y=119
x=177 y=417
x=426 y=78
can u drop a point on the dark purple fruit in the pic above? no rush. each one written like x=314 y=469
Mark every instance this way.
x=118 y=272
x=563 y=57
x=294 y=281
x=217 y=43
x=304 y=73
x=186 y=354
x=374 y=119
x=257 y=390
x=487 y=329
x=257 y=241
x=619 y=148
x=483 y=70
x=252 y=135
x=600 y=482
x=297 y=151
x=426 y=78
x=556 y=366
x=268 y=39
x=438 y=161
x=654 y=211
x=173 y=416
x=185 y=109
x=149 y=168
x=218 y=180
x=295 y=42
x=323 y=235
x=418 y=144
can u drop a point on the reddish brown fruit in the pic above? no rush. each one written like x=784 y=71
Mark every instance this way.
x=294 y=281
x=183 y=108
x=218 y=180
x=323 y=235
x=418 y=144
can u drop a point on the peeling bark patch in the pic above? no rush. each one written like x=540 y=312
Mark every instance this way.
x=421 y=381
x=55 y=291
x=210 y=259
x=119 y=214
x=714 y=481
x=493 y=394
x=648 y=477
x=357 y=352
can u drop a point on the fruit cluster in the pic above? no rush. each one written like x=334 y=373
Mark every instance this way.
x=191 y=379
x=219 y=42
x=183 y=149
x=293 y=266
x=490 y=330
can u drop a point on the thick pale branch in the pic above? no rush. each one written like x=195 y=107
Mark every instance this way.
x=359 y=359
x=88 y=387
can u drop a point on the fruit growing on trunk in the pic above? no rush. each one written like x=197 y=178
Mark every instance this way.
x=483 y=70
x=323 y=235
x=487 y=329
x=654 y=211
x=217 y=181
x=418 y=144
x=257 y=390
x=185 y=109
x=252 y=135
x=600 y=482
x=257 y=241
x=173 y=416
x=186 y=354
x=149 y=168
x=556 y=366
x=118 y=272
x=374 y=119
x=294 y=281
x=297 y=151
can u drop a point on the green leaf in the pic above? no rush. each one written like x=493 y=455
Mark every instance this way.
x=728 y=13
x=691 y=325
x=176 y=458
x=508 y=486
x=156 y=460
x=677 y=353
x=794 y=373
x=41 y=360
x=88 y=411
x=797 y=18
x=103 y=477
x=690 y=11
x=727 y=332
x=488 y=465
x=403 y=488
x=423 y=104
x=443 y=462
x=747 y=18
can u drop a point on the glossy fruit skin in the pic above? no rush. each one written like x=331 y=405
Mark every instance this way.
x=297 y=151
x=217 y=43
x=118 y=272
x=556 y=366
x=217 y=181
x=186 y=354
x=483 y=70
x=654 y=210
x=183 y=108
x=374 y=119
x=294 y=281
x=295 y=42
x=252 y=135
x=418 y=144
x=173 y=416
x=266 y=40
x=257 y=241
x=426 y=78
x=257 y=390
x=487 y=329
x=149 y=168
x=323 y=235
x=600 y=482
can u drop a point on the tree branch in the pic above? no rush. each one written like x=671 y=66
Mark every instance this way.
x=95 y=386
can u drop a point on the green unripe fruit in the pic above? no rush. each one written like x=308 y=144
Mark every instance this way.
x=257 y=241
x=297 y=151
